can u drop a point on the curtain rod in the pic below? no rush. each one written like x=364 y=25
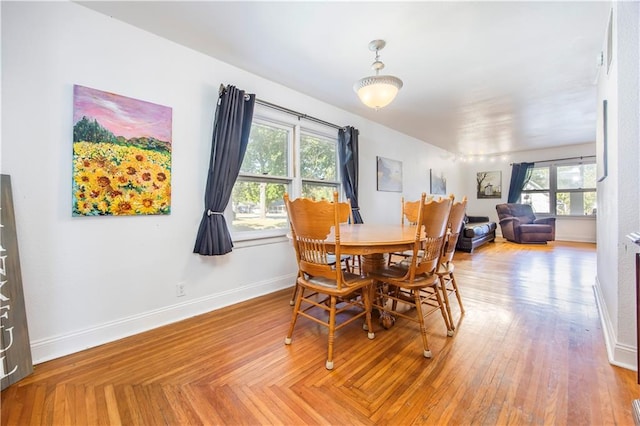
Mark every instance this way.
x=297 y=114
x=562 y=159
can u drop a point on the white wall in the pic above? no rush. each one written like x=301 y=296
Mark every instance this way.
x=619 y=194
x=567 y=229
x=90 y=280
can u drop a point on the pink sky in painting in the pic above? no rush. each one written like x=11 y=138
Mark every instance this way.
x=121 y=115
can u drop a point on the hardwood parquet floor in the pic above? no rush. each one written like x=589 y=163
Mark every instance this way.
x=528 y=350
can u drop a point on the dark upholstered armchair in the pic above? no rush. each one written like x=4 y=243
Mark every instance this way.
x=519 y=224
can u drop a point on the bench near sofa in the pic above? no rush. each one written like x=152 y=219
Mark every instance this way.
x=476 y=230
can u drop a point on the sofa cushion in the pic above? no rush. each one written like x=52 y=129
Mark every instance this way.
x=536 y=229
x=472 y=230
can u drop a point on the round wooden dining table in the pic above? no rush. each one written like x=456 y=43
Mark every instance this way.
x=372 y=241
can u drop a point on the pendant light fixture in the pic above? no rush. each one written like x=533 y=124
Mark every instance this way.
x=377 y=91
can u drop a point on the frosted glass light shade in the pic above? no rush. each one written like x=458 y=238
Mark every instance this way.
x=377 y=91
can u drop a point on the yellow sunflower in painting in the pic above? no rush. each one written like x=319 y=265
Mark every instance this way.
x=82 y=178
x=124 y=204
x=102 y=207
x=100 y=181
x=145 y=177
x=146 y=204
x=85 y=206
x=132 y=169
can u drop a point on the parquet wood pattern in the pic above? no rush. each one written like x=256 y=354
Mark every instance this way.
x=528 y=350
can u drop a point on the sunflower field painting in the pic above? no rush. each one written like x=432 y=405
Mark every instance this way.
x=121 y=155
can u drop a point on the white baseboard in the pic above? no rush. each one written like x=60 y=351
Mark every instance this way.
x=55 y=347
x=575 y=238
x=619 y=354
x=569 y=238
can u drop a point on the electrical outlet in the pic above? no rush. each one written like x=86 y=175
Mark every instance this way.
x=180 y=289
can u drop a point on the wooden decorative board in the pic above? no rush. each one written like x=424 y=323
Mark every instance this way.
x=15 y=349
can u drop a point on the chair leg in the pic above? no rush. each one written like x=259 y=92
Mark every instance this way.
x=445 y=296
x=294 y=314
x=347 y=265
x=353 y=265
x=332 y=330
x=443 y=311
x=367 y=295
x=357 y=259
x=454 y=284
x=396 y=294
x=423 y=329
x=293 y=296
x=380 y=294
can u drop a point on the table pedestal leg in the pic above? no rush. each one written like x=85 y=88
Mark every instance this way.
x=372 y=262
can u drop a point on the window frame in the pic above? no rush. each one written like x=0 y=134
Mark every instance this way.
x=293 y=181
x=553 y=189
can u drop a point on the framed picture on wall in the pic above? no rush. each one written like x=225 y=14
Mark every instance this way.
x=601 y=146
x=389 y=175
x=121 y=155
x=438 y=182
x=609 y=41
x=489 y=184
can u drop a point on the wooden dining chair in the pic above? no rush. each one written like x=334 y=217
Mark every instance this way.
x=448 y=284
x=408 y=217
x=350 y=263
x=323 y=286
x=410 y=211
x=413 y=283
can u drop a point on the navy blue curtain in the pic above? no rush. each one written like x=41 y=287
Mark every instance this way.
x=348 y=155
x=232 y=125
x=520 y=175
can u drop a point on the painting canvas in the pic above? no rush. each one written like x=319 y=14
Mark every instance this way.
x=438 y=182
x=489 y=184
x=389 y=175
x=121 y=155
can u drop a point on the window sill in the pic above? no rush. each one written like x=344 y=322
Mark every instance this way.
x=240 y=241
x=564 y=217
x=585 y=217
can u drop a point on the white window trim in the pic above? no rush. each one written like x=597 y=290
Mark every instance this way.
x=293 y=180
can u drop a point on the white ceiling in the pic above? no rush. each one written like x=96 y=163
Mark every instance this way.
x=479 y=77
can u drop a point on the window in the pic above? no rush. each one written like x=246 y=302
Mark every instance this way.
x=570 y=187
x=282 y=156
x=318 y=166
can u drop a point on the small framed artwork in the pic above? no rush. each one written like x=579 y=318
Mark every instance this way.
x=438 y=182
x=601 y=146
x=489 y=184
x=389 y=175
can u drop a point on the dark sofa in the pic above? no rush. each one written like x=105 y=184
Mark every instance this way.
x=476 y=230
